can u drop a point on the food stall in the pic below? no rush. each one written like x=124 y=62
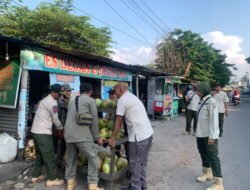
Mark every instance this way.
x=27 y=70
x=163 y=97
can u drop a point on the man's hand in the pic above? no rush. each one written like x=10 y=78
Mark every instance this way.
x=112 y=142
x=100 y=141
x=211 y=141
x=226 y=112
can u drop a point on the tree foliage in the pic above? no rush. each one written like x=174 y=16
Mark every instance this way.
x=53 y=24
x=248 y=60
x=185 y=53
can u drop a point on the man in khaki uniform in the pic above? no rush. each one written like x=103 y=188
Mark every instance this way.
x=46 y=116
x=207 y=134
x=82 y=138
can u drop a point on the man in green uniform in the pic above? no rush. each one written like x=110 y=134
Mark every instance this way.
x=207 y=134
x=46 y=116
x=82 y=138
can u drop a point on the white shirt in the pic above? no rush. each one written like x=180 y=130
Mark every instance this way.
x=194 y=104
x=138 y=124
x=46 y=115
x=221 y=98
x=208 y=119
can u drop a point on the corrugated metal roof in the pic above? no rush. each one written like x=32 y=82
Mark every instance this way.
x=85 y=56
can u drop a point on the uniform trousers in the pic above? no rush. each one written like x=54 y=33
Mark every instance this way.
x=90 y=151
x=209 y=155
x=44 y=156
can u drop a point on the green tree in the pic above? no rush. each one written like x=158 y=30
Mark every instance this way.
x=53 y=24
x=5 y=4
x=185 y=53
x=248 y=60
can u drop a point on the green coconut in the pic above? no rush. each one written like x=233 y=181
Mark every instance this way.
x=98 y=102
x=121 y=163
x=110 y=124
x=110 y=133
x=112 y=104
x=103 y=133
x=102 y=123
x=105 y=103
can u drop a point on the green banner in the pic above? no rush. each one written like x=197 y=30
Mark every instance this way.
x=9 y=83
x=34 y=60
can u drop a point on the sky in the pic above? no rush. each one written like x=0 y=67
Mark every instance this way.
x=225 y=23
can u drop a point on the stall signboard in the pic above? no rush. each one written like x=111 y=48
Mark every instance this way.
x=167 y=106
x=35 y=60
x=10 y=74
x=73 y=81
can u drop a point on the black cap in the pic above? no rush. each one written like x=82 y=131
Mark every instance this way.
x=85 y=87
x=111 y=91
x=56 y=88
x=66 y=87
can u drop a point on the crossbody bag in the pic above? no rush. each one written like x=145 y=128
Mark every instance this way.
x=83 y=119
x=203 y=105
x=189 y=100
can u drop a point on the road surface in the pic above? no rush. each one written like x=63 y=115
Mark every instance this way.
x=175 y=162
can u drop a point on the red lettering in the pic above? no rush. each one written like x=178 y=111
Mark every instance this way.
x=51 y=62
x=63 y=64
x=95 y=70
x=64 y=78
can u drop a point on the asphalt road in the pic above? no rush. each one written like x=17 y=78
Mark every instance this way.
x=175 y=163
x=235 y=147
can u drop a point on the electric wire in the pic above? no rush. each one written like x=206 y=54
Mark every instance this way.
x=154 y=13
x=105 y=24
x=145 y=13
x=127 y=22
x=141 y=17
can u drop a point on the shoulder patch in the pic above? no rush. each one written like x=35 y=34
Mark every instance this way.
x=55 y=109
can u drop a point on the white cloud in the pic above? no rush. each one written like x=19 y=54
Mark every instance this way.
x=144 y=50
x=134 y=56
x=229 y=44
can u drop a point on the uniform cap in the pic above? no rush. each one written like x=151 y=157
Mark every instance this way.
x=56 y=88
x=66 y=87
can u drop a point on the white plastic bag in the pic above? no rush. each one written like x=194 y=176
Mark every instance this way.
x=8 y=148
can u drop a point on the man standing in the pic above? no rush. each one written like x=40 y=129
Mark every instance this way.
x=82 y=138
x=62 y=113
x=140 y=134
x=112 y=95
x=222 y=101
x=207 y=138
x=46 y=115
x=63 y=102
x=192 y=100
